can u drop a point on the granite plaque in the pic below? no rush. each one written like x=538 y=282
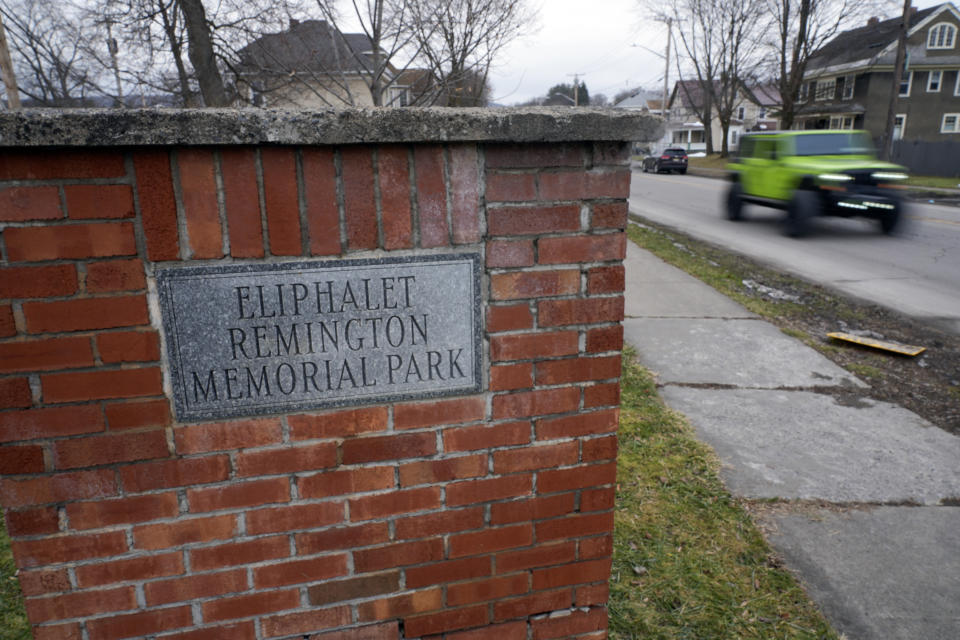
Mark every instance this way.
x=273 y=338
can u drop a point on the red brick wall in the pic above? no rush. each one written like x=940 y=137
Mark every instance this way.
x=475 y=517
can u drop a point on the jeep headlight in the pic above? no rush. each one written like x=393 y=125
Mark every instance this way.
x=835 y=177
x=888 y=175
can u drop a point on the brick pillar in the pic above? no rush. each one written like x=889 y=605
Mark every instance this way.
x=482 y=515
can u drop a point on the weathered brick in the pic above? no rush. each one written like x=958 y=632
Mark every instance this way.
x=392 y=447
x=536 y=457
x=281 y=199
x=534 y=345
x=585 y=185
x=286 y=460
x=300 y=571
x=158 y=207
x=533 y=604
x=508 y=631
x=488 y=589
x=522 y=221
x=70 y=241
x=108 y=276
x=130 y=569
x=365 y=586
x=80 y=604
x=398 y=555
x=448 y=571
x=596 y=547
x=575 y=624
x=67 y=631
x=53 y=550
x=532 y=509
x=605 y=339
x=38 y=282
x=342 y=538
x=178 y=472
x=490 y=540
x=205 y=585
x=60 y=487
x=443 y=470
x=486 y=436
x=236 y=553
x=554 y=313
x=18 y=204
x=431 y=196
x=184 y=531
x=511 y=187
x=140 y=624
x=543 y=555
x=488 y=490
x=394 y=503
x=338 y=424
x=294 y=517
x=96 y=385
x=534 y=284
x=199 y=202
x=447 y=620
x=44 y=581
x=465 y=193
x=577 y=370
x=22 y=164
x=239 y=494
x=509 y=318
x=432 y=524
x=570 y=574
x=242 y=202
x=33 y=522
x=224 y=436
x=510 y=377
x=400 y=605
x=109 y=449
x=320 y=192
x=18 y=460
x=343 y=481
x=45 y=355
x=606 y=280
x=8 y=326
x=394 y=181
x=86 y=314
x=129 y=346
x=609 y=215
x=596 y=594
x=572 y=249
x=593 y=475
x=14 y=394
x=383 y=631
x=302 y=623
x=534 y=156
x=358 y=198
x=575 y=526
x=510 y=253
x=127 y=510
x=428 y=414
x=536 y=403
x=599 y=449
x=92 y=201
x=250 y=605
x=582 y=424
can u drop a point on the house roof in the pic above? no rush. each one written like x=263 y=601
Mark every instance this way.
x=309 y=46
x=641 y=99
x=874 y=43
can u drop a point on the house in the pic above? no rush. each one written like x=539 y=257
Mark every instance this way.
x=847 y=82
x=314 y=65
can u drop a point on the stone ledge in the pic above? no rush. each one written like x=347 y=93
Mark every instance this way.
x=167 y=127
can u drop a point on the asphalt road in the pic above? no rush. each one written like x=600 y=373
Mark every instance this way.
x=916 y=271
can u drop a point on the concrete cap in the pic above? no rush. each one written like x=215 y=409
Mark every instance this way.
x=165 y=127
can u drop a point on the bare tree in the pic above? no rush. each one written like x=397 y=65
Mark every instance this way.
x=799 y=29
x=460 y=39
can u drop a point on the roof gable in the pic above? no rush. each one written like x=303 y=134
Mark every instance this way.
x=309 y=46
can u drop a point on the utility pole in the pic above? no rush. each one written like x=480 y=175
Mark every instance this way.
x=897 y=78
x=576 y=88
x=666 y=70
x=113 y=48
x=6 y=70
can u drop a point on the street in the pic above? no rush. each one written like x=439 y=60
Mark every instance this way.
x=915 y=272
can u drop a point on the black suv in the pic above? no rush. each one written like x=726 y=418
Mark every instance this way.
x=669 y=160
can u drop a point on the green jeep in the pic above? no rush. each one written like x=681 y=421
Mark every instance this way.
x=809 y=173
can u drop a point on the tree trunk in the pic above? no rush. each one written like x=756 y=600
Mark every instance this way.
x=895 y=87
x=200 y=50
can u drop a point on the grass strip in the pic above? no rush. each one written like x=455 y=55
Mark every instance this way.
x=13 y=617
x=688 y=561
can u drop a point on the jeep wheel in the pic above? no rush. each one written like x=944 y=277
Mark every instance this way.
x=801 y=209
x=683 y=172
x=735 y=202
x=889 y=220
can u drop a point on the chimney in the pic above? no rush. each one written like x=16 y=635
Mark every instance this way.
x=873 y=21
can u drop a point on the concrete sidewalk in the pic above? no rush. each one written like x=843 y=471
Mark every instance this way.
x=788 y=423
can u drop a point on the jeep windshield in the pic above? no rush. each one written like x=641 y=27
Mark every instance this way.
x=833 y=144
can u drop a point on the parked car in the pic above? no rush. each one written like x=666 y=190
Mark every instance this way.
x=811 y=173
x=669 y=160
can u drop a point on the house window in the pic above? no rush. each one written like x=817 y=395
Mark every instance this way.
x=933 y=81
x=740 y=113
x=905 y=84
x=826 y=89
x=763 y=110
x=398 y=97
x=950 y=123
x=679 y=137
x=696 y=136
x=956 y=86
x=941 y=36
x=848 y=82
x=803 y=92
x=899 y=125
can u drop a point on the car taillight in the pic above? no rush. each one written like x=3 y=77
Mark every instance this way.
x=664 y=157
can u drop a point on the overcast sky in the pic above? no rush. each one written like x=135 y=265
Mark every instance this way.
x=602 y=40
